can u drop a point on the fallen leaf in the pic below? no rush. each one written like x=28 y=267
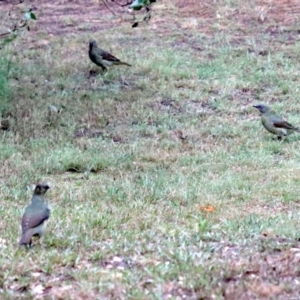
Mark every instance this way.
x=207 y=208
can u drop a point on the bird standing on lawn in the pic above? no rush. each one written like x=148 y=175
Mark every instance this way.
x=35 y=215
x=274 y=123
x=102 y=58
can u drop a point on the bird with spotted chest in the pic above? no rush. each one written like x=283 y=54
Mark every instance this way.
x=274 y=123
x=35 y=215
x=103 y=58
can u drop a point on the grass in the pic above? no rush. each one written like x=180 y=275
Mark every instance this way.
x=5 y=92
x=135 y=158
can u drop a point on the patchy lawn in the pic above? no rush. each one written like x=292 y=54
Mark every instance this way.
x=164 y=184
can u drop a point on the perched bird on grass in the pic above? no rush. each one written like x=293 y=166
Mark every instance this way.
x=35 y=215
x=274 y=123
x=102 y=58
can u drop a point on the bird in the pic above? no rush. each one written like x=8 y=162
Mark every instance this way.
x=102 y=58
x=35 y=215
x=274 y=123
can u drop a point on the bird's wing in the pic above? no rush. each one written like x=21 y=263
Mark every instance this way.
x=283 y=124
x=33 y=220
x=279 y=122
x=109 y=57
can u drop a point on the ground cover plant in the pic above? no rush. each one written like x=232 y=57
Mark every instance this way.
x=164 y=184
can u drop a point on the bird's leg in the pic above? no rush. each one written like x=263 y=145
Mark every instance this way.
x=280 y=138
x=29 y=245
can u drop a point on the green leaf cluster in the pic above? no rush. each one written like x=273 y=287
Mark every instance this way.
x=139 y=4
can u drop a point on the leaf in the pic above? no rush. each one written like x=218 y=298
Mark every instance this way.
x=137 y=4
x=207 y=208
x=32 y=15
x=137 y=7
x=29 y=16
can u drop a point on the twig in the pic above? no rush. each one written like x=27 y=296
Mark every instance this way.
x=104 y=1
x=22 y=24
x=122 y=5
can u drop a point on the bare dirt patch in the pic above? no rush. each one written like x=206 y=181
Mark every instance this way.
x=261 y=267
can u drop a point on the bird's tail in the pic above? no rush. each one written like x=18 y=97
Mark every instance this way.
x=25 y=238
x=124 y=63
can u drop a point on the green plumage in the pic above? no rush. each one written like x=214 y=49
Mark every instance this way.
x=274 y=123
x=102 y=58
x=36 y=213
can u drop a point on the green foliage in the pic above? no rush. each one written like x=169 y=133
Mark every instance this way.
x=13 y=32
x=29 y=15
x=139 y=4
x=134 y=5
x=5 y=64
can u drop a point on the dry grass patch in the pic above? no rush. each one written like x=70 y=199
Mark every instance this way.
x=164 y=183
